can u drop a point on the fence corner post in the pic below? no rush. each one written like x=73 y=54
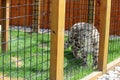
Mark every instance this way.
x=105 y=10
x=57 y=24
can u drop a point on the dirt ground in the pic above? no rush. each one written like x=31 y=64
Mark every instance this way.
x=18 y=64
x=8 y=78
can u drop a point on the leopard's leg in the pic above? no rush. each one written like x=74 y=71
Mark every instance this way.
x=95 y=59
x=75 y=51
x=95 y=54
x=84 y=58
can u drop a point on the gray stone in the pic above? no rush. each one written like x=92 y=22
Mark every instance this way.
x=111 y=75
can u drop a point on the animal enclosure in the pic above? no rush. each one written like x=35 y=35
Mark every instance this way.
x=25 y=50
x=34 y=35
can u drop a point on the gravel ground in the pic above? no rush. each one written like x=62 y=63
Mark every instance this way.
x=111 y=75
x=26 y=29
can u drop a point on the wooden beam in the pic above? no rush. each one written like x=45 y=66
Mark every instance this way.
x=57 y=24
x=96 y=74
x=93 y=76
x=112 y=64
x=5 y=24
x=105 y=8
x=71 y=8
x=29 y=12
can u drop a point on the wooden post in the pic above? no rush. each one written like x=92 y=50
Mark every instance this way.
x=57 y=24
x=36 y=17
x=94 y=11
x=5 y=24
x=105 y=8
x=91 y=11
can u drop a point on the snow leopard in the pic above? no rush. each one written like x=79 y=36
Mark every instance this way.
x=84 y=39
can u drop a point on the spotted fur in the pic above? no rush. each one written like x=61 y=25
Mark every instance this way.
x=83 y=39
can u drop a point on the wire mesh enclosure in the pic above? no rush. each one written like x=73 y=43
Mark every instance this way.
x=114 y=39
x=84 y=14
x=25 y=49
x=81 y=39
x=113 y=52
x=35 y=46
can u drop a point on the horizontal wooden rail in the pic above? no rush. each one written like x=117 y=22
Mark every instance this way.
x=96 y=74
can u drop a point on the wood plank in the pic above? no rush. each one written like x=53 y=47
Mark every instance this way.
x=5 y=25
x=45 y=14
x=97 y=14
x=93 y=76
x=69 y=14
x=71 y=7
x=16 y=11
x=96 y=74
x=115 y=18
x=29 y=13
x=57 y=24
x=105 y=8
x=112 y=64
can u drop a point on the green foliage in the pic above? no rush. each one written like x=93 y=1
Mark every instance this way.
x=114 y=49
x=33 y=51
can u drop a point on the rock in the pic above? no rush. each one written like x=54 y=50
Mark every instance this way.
x=111 y=75
x=117 y=69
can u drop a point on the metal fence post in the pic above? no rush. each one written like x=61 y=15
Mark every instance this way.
x=57 y=24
